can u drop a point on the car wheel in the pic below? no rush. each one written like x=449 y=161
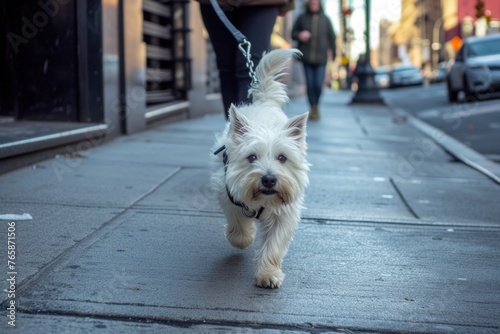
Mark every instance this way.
x=452 y=94
x=469 y=94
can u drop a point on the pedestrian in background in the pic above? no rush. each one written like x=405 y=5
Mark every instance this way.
x=314 y=32
x=255 y=19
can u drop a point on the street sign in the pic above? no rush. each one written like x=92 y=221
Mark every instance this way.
x=344 y=60
x=456 y=43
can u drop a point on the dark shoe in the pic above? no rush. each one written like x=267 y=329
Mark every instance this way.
x=314 y=113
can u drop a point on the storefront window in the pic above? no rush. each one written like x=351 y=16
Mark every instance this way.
x=166 y=34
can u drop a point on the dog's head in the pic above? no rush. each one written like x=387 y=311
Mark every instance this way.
x=267 y=164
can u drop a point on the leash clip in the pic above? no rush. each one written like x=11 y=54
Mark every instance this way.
x=248 y=56
x=240 y=38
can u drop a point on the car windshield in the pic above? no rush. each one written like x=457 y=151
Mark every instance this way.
x=483 y=48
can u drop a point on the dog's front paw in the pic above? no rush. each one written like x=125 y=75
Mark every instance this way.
x=240 y=236
x=270 y=279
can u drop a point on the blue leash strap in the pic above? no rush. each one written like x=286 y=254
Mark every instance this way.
x=240 y=38
x=243 y=44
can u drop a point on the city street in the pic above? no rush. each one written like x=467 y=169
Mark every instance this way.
x=127 y=237
x=476 y=124
x=109 y=221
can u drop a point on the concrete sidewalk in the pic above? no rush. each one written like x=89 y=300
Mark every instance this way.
x=398 y=236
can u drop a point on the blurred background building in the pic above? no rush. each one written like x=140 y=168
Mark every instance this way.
x=431 y=31
x=73 y=69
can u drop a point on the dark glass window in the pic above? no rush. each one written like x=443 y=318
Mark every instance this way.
x=166 y=34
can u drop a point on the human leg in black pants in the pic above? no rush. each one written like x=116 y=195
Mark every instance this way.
x=256 y=23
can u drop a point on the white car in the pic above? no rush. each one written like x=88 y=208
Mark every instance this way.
x=381 y=77
x=405 y=75
x=476 y=68
x=439 y=74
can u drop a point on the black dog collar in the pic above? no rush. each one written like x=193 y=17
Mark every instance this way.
x=245 y=209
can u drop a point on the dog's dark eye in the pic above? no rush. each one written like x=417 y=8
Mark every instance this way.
x=252 y=158
x=282 y=158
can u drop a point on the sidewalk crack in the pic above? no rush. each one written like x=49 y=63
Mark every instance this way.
x=153 y=189
x=360 y=124
x=403 y=199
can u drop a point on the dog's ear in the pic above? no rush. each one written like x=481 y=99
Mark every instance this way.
x=237 y=122
x=297 y=127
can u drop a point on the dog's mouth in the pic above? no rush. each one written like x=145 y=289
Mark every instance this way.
x=268 y=191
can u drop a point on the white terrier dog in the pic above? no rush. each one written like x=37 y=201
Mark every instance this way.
x=260 y=170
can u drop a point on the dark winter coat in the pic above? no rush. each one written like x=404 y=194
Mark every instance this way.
x=315 y=50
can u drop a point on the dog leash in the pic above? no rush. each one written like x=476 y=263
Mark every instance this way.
x=245 y=47
x=243 y=43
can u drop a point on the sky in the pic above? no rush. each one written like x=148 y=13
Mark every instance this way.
x=380 y=9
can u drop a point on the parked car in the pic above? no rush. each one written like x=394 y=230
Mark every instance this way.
x=476 y=68
x=439 y=74
x=381 y=78
x=405 y=75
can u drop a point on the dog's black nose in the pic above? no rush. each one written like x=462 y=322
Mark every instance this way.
x=269 y=181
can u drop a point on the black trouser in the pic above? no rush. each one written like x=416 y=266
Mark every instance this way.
x=256 y=23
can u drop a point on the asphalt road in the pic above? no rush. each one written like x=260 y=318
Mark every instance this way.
x=476 y=124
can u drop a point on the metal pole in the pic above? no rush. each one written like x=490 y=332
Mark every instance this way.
x=367 y=31
x=368 y=91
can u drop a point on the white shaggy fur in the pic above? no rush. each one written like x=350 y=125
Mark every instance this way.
x=266 y=168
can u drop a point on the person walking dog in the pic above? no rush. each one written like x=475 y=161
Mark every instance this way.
x=255 y=19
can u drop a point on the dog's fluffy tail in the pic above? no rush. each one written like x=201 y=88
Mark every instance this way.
x=270 y=68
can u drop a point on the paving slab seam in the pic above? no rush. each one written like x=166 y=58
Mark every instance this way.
x=86 y=242
x=442 y=178
x=178 y=212
x=431 y=327
x=73 y=205
x=364 y=219
x=375 y=223
x=171 y=163
x=192 y=323
x=402 y=178
x=318 y=220
x=184 y=212
x=360 y=124
x=402 y=198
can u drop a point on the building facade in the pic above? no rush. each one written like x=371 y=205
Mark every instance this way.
x=416 y=31
x=75 y=69
x=460 y=18
x=430 y=31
